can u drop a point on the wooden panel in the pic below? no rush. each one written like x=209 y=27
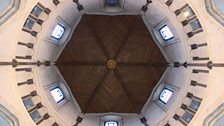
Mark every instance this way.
x=98 y=88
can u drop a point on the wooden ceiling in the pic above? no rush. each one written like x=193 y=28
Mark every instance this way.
x=122 y=85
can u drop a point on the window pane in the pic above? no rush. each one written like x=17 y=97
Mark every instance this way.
x=3 y=121
x=29 y=23
x=58 y=32
x=28 y=103
x=36 y=11
x=195 y=25
x=219 y=4
x=165 y=95
x=57 y=94
x=111 y=2
x=187 y=117
x=35 y=115
x=219 y=122
x=4 y=4
x=166 y=33
x=7 y=118
x=188 y=12
x=194 y=104
x=111 y=123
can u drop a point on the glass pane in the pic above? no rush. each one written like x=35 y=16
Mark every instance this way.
x=4 y=4
x=165 y=95
x=195 y=25
x=219 y=122
x=187 y=117
x=35 y=115
x=111 y=2
x=36 y=11
x=29 y=23
x=28 y=103
x=58 y=32
x=188 y=12
x=111 y=123
x=57 y=94
x=7 y=118
x=194 y=104
x=220 y=5
x=3 y=121
x=166 y=33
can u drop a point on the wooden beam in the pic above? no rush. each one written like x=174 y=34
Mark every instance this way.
x=139 y=64
x=81 y=63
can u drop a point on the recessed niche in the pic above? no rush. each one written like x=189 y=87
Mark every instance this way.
x=166 y=33
x=59 y=32
x=165 y=95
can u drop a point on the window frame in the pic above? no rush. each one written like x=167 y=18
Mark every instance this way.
x=30 y=99
x=190 y=105
x=61 y=26
x=9 y=11
x=199 y=23
x=186 y=113
x=33 y=21
x=8 y=115
x=32 y=113
x=113 y=4
x=214 y=12
x=165 y=88
x=106 y=121
x=192 y=11
x=166 y=40
x=62 y=99
x=158 y=36
x=33 y=14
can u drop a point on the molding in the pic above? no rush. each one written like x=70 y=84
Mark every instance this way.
x=11 y=9
x=213 y=117
x=214 y=12
x=8 y=116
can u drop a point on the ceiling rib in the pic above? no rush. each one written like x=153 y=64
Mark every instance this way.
x=126 y=37
x=93 y=94
x=99 y=41
x=81 y=63
x=139 y=64
x=120 y=79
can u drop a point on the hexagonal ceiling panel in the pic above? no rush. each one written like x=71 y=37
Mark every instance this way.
x=111 y=64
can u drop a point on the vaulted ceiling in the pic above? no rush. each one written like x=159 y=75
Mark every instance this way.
x=111 y=64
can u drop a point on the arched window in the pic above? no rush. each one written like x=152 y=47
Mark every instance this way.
x=7 y=9
x=216 y=9
x=7 y=118
x=216 y=118
x=4 y=4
